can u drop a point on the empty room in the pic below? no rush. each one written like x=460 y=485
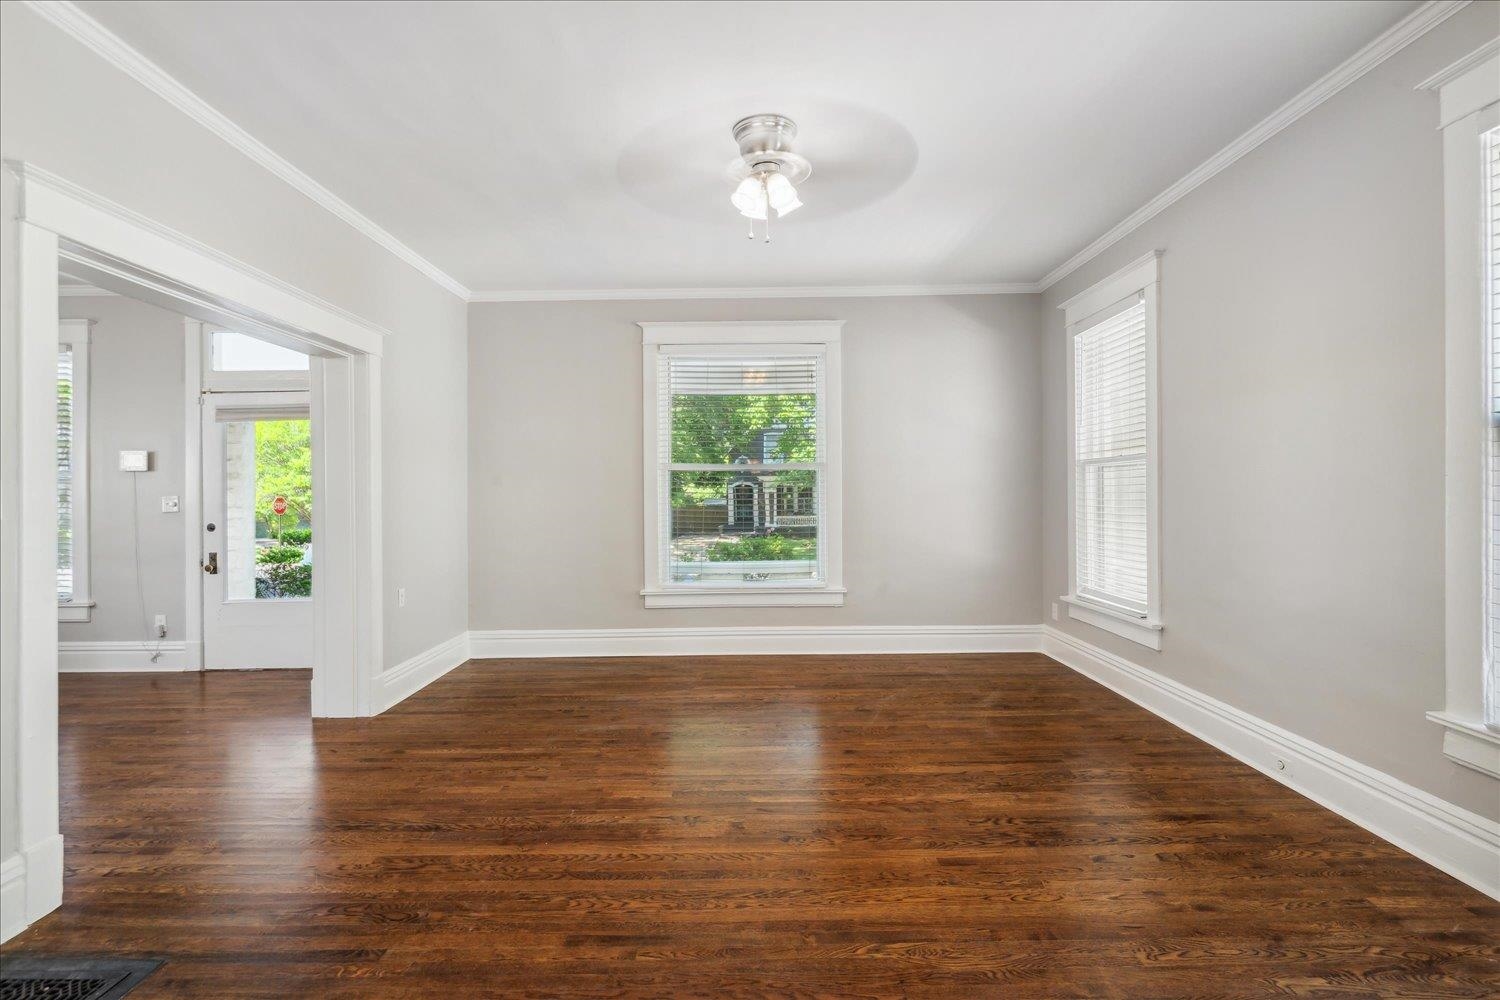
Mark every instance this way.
x=657 y=499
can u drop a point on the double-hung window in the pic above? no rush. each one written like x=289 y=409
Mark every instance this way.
x=1113 y=572
x=1490 y=146
x=1469 y=116
x=743 y=490
x=74 y=603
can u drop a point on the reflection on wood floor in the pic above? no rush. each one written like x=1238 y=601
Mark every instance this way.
x=874 y=826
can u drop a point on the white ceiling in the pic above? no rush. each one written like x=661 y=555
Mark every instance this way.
x=555 y=146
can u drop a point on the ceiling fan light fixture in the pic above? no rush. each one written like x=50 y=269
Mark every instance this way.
x=767 y=172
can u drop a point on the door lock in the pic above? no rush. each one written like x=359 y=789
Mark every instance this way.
x=211 y=567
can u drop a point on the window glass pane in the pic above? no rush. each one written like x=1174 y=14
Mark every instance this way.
x=1111 y=534
x=742 y=410
x=64 y=473
x=1491 y=149
x=1110 y=447
x=743 y=527
x=235 y=352
x=268 y=465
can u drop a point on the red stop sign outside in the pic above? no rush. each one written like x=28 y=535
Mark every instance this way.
x=278 y=506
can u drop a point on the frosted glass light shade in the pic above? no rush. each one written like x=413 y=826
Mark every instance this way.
x=750 y=198
x=781 y=194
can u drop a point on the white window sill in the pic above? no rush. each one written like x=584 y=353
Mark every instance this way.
x=75 y=611
x=1469 y=743
x=1139 y=630
x=745 y=597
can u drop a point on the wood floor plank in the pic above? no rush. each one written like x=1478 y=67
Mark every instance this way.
x=891 y=826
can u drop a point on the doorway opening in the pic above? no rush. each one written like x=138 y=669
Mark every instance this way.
x=62 y=227
x=257 y=537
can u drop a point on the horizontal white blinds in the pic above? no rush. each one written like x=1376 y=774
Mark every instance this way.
x=739 y=467
x=1110 y=458
x=65 y=387
x=1491 y=152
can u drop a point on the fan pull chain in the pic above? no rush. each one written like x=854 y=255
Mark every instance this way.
x=766 y=191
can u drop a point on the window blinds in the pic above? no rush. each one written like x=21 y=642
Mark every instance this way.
x=1110 y=458
x=65 y=472
x=740 y=467
x=1491 y=148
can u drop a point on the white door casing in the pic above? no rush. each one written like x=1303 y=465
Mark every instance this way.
x=118 y=249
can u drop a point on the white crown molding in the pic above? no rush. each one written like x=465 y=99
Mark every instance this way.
x=83 y=292
x=1459 y=67
x=764 y=292
x=114 y=50
x=80 y=26
x=1393 y=40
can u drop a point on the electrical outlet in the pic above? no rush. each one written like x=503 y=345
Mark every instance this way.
x=1056 y=612
x=161 y=626
x=400 y=597
x=170 y=505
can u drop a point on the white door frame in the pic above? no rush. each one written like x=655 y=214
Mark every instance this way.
x=120 y=250
x=265 y=633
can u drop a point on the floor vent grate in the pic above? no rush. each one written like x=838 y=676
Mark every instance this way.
x=27 y=978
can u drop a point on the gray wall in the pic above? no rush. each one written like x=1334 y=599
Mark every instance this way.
x=66 y=110
x=135 y=401
x=941 y=462
x=1302 y=426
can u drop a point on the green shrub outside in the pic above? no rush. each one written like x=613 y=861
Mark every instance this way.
x=757 y=548
x=278 y=555
x=282 y=573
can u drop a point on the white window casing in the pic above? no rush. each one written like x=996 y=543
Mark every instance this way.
x=1469 y=118
x=686 y=367
x=74 y=597
x=1114 y=566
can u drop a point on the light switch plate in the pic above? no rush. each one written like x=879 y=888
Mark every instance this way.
x=135 y=461
x=170 y=505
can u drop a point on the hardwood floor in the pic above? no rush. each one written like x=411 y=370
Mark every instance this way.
x=902 y=826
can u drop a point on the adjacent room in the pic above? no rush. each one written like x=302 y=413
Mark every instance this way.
x=645 y=499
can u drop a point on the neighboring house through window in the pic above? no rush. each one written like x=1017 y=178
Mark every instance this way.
x=743 y=477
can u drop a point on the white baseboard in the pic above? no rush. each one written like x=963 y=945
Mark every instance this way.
x=12 y=897
x=747 y=641
x=410 y=676
x=123 y=657
x=30 y=885
x=1461 y=843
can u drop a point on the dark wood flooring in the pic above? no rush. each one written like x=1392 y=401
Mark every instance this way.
x=904 y=826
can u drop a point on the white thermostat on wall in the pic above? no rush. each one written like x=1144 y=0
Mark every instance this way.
x=135 y=461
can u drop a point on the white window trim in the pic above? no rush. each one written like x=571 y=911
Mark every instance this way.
x=1142 y=276
x=1467 y=106
x=77 y=335
x=787 y=335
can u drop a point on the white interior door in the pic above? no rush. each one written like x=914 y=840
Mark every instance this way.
x=258 y=583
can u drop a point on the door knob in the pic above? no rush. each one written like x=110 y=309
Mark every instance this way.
x=212 y=565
